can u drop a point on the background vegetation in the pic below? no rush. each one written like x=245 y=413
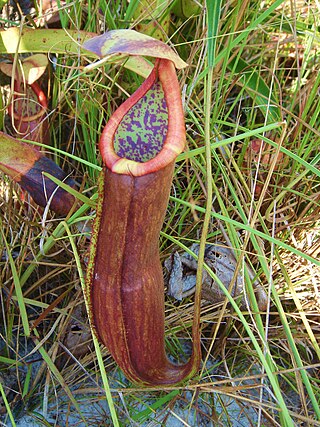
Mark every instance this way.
x=251 y=99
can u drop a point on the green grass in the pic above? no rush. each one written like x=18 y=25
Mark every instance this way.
x=253 y=75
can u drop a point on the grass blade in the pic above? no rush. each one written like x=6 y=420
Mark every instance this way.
x=257 y=88
x=95 y=341
x=213 y=18
x=6 y=404
x=17 y=286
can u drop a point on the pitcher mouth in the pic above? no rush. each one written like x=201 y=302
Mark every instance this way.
x=156 y=150
x=39 y=103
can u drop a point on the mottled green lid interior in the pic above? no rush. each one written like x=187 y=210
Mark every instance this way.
x=142 y=131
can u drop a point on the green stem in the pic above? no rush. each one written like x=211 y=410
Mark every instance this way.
x=207 y=216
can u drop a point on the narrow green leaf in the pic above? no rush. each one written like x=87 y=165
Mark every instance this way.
x=248 y=228
x=143 y=415
x=17 y=286
x=258 y=133
x=6 y=404
x=57 y=233
x=257 y=88
x=131 y=8
x=64 y=153
x=54 y=370
x=95 y=340
x=213 y=17
x=76 y=194
x=10 y=362
x=251 y=27
x=27 y=380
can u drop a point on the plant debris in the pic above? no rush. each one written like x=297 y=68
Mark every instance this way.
x=220 y=258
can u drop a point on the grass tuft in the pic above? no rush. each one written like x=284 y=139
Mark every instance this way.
x=249 y=178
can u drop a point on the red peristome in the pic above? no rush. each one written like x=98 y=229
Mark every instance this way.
x=175 y=139
x=40 y=94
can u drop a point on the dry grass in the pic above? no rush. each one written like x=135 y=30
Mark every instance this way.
x=265 y=205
